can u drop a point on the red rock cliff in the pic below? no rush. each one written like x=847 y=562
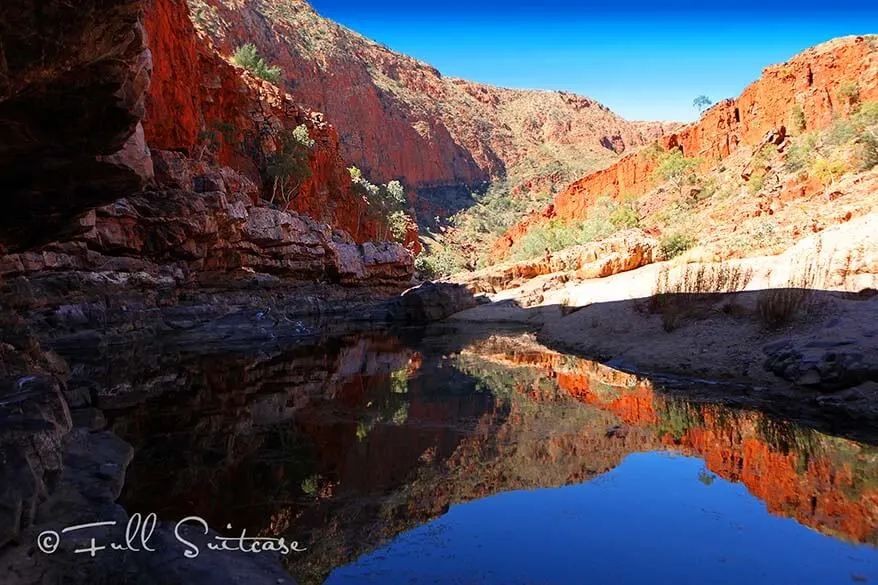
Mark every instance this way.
x=401 y=119
x=201 y=105
x=810 y=79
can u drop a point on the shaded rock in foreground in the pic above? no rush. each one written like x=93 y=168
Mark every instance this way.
x=824 y=365
x=72 y=90
x=202 y=219
x=431 y=301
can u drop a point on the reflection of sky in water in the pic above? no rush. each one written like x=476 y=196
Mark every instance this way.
x=657 y=518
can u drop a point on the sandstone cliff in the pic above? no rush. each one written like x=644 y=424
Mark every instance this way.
x=402 y=119
x=810 y=80
x=201 y=105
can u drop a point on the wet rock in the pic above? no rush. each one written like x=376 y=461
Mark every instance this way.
x=19 y=493
x=90 y=419
x=827 y=365
x=33 y=422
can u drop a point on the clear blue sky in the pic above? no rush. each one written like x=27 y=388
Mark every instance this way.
x=645 y=60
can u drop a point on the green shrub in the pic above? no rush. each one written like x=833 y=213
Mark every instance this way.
x=675 y=244
x=802 y=154
x=624 y=217
x=438 y=264
x=248 y=57
x=828 y=171
x=757 y=181
x=385 y=204
x=557 y=235
x=850 y=91
x=671 y=215
x=709 y=188
x=289 y=166
x=701 y=103
x=867 y=151
x=866 y=115
x=552 y=236
x=654 y=151
x=765 y=153
x=764 y=232
x=398 y=224
x=841 y=132
x=676 y=168
x=797 y=118
x=490 y=215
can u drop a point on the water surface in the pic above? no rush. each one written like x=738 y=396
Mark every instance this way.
x=478 y=458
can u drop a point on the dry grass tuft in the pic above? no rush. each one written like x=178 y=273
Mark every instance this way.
x=780 y=306
x=692 y=289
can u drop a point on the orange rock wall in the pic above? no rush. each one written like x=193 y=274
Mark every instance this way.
x=196 y=95
x=400 y=118
x=811 y=80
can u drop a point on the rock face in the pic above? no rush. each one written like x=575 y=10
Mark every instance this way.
x=407 y=121
x=182 y=160
x=431 y=301
x=621 y=252
x=201 y=105
x=810 y=80
x=204 y=219
x=71 y=90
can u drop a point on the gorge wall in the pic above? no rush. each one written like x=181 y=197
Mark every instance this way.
x=72 y=89
x=201 y=105
x=177 y=141
x=399 y=118
x=810 y=80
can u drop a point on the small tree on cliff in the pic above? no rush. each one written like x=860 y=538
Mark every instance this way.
x=676 y=168
x=701 y=103
x=289 y=165
x=385 y=204
x=248 y=57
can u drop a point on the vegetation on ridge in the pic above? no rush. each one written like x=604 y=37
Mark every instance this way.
x=247 y=56
x=288 y=167
x=385 y=204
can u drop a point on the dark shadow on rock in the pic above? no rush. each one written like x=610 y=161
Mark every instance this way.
x=71 y=91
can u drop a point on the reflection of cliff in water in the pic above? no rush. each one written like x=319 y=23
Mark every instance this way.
x=824 y=482
x=345 y=444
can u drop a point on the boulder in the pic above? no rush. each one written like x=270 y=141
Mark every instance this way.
x=172 y=169
x=431 y=301
x=134 y=155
